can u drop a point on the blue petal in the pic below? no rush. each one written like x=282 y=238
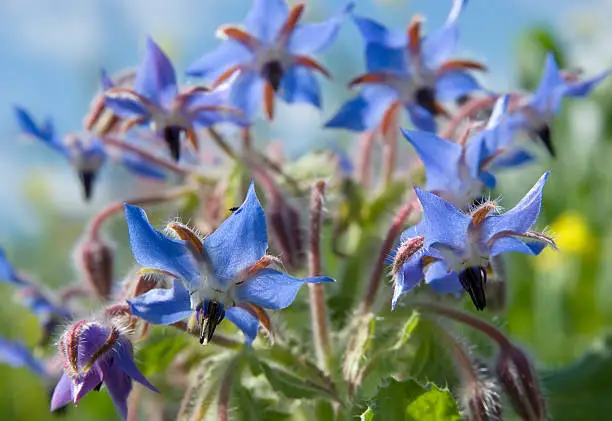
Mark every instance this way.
x=152 y=249
x=454 y=84
x=156 y=79
x=442 y=279
x=380 y=58
x=125 y=359
x=219 y=97
x=409 y=276
x=240 y=241
x=440 y=45
x=62 y=394
x=513 y=158
x=300 y=85
x=45 y=132
x=247 y=92
x=272 y=289
x=443 y=224
x=476 y=152
x=126 y=105
x=140 y=167
x=266 y=18
x=163 y=306
x=421 y=118
x=376 y=33
x=105 y=80
x=520 y=218
x=364 y=112
x=580 y=89
x=7 y=273
x=119 y=387
x=245 y=321
x=551 y=79
x=313 y=38
x=513 y=244
x=499 y=111
x=16 y=354
x=440 y=157
x=210 y=66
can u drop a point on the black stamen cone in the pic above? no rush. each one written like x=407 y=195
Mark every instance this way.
x=463 y=99
x=87 y=180
x=273 y=73
x=172 y=136
x=213 y=315
x=545 y=136
x=426 y=98
x=474 y=280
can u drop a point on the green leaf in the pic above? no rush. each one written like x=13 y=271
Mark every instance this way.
x=291 y=385
x=359 y=344
x=249 y=407
x=409 y=401
x=160 y=348
x=582 y=388
x=385 y=203
x=368 y=415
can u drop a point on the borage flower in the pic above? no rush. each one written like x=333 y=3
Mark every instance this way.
x=86 y=151
x=407 y=70
x=8 y=272
x=271 y=55
x=17 y=354
x=156 y=100
x=535 y=115
x=96 y=353
x=228 y=275
x=452 y=250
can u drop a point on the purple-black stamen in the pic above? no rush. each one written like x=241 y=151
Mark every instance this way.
x=273 y=73
x=426 y=98
x=172 y=136
x=543 y=133
x=87 y=178
x=474 y=281
x=212 y=314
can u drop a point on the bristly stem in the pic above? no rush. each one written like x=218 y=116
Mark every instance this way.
x=169 y=165
x=225 y=390
x=110 y=210
x=466 y=110
x=247 y=140
x=377 y=273
x=221 y=143
x=318 y=308
x=389 y=150
x=364 y=159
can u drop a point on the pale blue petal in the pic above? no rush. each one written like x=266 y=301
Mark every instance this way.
x=240 y=241
x=126 y=106
x=119 y=387
x=16 y=354
x=125 y=358
x=374 y=32
x=311 y=38
x=105 y=80
x=247 y=92
x=7 y=272
x=442 y=279
x=476 y=153
x=380 y=58
x=245 y=321
x=364 y=112
x=62 y=394
x=44 y=132
x=421 y=118
x=266 y=18
x=409 y=276
x=140 y=167
x=163 y=306
x=499 y=111
x=455 y=84
x=440 y=157
x=155 y=78
x=443 y=224
x=513 y=158
x=154 y=250
x=551 y=79
x=300 y=85
x=440 y=45
x=520 y=218
x=516 y=245
x=210 y=66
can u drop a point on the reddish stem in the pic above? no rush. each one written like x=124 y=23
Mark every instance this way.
x=468 y=109
x=364 y=159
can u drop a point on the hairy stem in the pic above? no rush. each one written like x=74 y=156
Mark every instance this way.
x=364 y=159
x=221 y=143
x=389 y=151
x=467 y=110
x=225 y=392
x=147 y=156
x=318 y=308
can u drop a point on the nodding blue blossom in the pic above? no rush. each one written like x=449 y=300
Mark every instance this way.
x=452 y=249
x=86 y=151
x=405 y=69
x=17 y=354
x=272 y=55
x=8 y=272
x=228 y=275
x=459 y=171
x=156 y=100
x=96 y=353
x=534 y=115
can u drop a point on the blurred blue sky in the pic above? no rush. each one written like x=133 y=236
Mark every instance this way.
x=51 y=52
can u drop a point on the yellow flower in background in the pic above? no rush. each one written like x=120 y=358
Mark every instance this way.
x=573 y=237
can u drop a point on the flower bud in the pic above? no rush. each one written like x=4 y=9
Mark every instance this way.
x=95 y=258
x=480 y=395
x=520 y=383
x=287 y=237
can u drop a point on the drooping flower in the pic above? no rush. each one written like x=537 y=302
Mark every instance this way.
x=228 y=274
x=272 y=55
x=452 y=249
x=17 y=354
x=405 y=69
x=95 y=353
x=458 y=171
x=157 y=101
x=86 y=151
x=534 y=115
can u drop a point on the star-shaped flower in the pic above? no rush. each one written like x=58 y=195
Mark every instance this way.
x=535 y=114
x=227 y=275
x=86 y=151
x=96 y=353
x=271 y=55
x=452 y=249
x=407 y=70
x=156 y=99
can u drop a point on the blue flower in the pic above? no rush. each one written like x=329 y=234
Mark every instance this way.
x=8 y=273
x=535 y=115
x=87 y=152
x=225 y=276
x=272 y=55
x=17 y=354
x=156 y=100
x=452 y=250
x=410 y=71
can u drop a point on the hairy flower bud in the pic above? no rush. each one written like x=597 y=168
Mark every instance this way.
x=95 y=258
x=520 y=383
x=480 y=395
x=287 y=237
